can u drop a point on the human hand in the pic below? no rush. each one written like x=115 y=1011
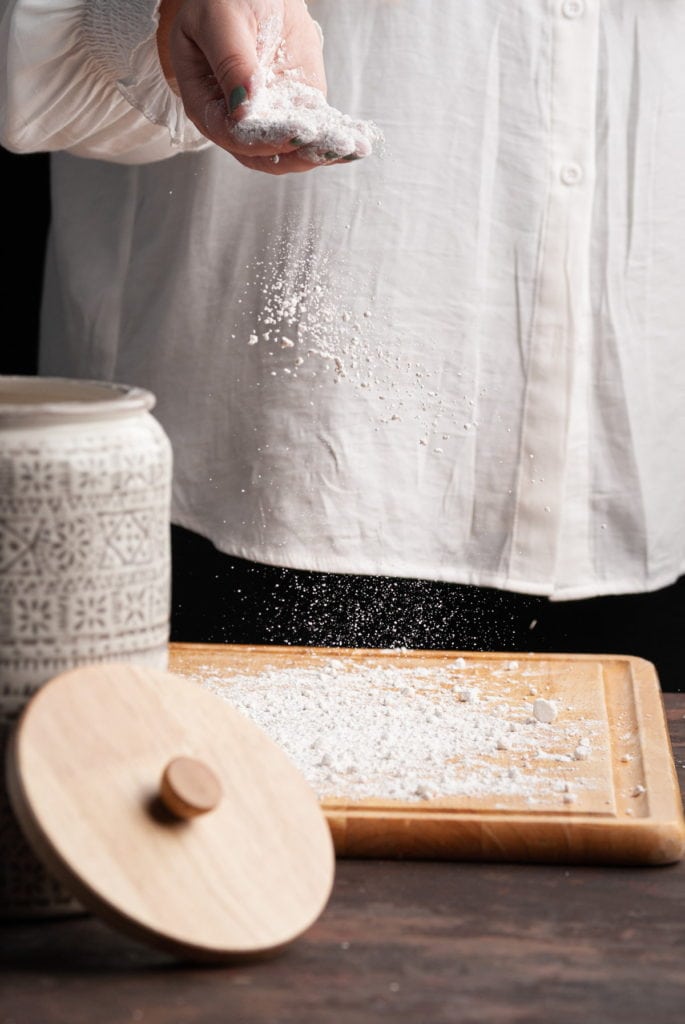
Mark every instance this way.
x=212 y=53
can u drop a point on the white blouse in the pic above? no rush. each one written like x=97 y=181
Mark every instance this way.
x=462 y=358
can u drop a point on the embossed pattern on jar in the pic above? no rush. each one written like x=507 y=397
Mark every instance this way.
x=85 y=481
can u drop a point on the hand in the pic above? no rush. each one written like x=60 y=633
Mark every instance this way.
x=211 y=50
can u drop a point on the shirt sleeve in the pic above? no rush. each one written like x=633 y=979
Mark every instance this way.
x=84 y=77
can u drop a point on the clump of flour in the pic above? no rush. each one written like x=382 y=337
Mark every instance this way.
x=375 y=731
x=283 y=108
x=545 y=710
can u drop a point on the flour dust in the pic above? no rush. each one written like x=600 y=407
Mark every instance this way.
x=418 y=733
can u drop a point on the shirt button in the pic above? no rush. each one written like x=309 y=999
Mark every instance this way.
x=573 y=8
x=571 y=174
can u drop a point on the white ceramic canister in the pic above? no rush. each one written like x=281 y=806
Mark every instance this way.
x=85 y=483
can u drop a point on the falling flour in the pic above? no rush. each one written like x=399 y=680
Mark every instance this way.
x=411 y=734
x=303 y=311
x=298 y=315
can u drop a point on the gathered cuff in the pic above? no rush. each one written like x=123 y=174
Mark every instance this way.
x=121 y=36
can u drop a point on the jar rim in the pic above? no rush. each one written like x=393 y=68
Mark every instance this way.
x=26 y=396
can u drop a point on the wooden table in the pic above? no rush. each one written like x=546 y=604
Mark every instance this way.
x=411 y=943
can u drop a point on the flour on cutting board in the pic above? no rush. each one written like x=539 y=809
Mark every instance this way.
x=417 y=733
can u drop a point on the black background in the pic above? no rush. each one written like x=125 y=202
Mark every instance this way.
x=25 y=188
x=220 y=599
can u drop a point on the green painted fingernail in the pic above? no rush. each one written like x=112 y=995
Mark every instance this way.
x=238 y=96
x=330 y=155
x=296 y=141
x=350 y=157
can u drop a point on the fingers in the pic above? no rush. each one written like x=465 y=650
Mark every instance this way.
x=287 y=163
x=217 y=125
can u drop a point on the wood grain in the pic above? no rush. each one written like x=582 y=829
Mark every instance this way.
x=631 y=813
x=399 y=941
x=83 y=775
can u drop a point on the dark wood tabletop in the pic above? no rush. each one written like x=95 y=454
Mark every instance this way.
x=408 y=942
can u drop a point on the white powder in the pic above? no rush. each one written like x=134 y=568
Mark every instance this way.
x=303 y=313
x=362 y=731
x=468 y=694
x=545 y=710
x=300 y=309
x=297 y=310
x=283 y=108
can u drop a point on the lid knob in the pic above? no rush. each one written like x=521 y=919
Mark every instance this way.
x=189 y=787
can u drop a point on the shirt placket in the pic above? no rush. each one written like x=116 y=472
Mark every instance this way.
x=559 y=342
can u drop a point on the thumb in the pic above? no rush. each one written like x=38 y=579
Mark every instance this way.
x=213 y=50
x=230 y=49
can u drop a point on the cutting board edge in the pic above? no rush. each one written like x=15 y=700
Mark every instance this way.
x=179 y=647
x=504 y=838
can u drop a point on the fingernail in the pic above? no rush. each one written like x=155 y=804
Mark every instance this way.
x=296 y=141
x=238 y=96
x=350 y=157
x=330 y=155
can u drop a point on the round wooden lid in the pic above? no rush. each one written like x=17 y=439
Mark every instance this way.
x=168 y=813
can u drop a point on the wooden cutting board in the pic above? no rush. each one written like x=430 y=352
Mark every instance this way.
x=616 y=802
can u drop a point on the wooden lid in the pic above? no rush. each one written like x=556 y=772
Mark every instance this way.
x=168 y=813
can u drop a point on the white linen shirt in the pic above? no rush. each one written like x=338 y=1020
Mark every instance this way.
x=460 y=359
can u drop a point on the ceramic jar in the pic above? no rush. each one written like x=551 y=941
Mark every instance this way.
x=85 y=481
